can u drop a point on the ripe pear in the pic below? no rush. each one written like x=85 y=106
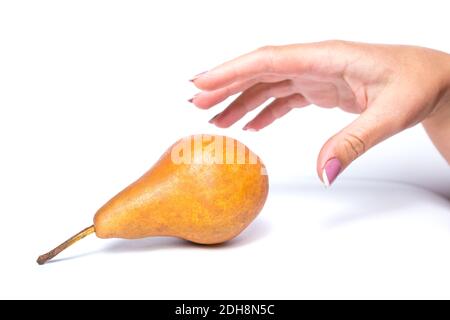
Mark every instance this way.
x=205 y=189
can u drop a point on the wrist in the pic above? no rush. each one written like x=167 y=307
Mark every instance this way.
x=441 y=108
x=446 y=97
x=446 y=90
x=437 y=124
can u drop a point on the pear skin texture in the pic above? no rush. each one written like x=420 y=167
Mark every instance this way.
x=198 y=200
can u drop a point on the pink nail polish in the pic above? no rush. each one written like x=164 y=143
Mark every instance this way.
x=330 y=171
x=197 y=76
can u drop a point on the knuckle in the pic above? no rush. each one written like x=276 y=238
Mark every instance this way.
x=265 y=49
x=276 y=112
x=335 y=43
x=267 y=56
x=282 y=89
x=261 y=89
x=353 y=145
x=297 y=101
x=289 y=85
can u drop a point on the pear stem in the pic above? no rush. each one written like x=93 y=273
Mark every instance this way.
x=52 y=253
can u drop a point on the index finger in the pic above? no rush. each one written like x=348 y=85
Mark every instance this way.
x=243 y=68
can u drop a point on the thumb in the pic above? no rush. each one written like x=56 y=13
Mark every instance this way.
x=370 y=128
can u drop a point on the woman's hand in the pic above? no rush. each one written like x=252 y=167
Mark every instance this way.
x=392 y=87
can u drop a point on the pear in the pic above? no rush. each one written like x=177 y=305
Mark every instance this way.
x=205 y=189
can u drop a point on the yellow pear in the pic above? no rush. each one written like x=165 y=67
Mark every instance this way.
x=205 y=189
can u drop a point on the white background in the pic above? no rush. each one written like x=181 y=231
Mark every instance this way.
x=92 y=92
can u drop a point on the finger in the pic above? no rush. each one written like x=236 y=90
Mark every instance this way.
x=241 y=68
x=374 y=125
x=250 y=99
x=321 y=58
x=208 y=99
x=275 y=110
x=270 y=60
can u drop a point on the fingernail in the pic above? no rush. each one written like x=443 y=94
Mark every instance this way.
x=330 y=171
x=213 y=118
x=191 y=100
x=246 y=128
x=197 y=76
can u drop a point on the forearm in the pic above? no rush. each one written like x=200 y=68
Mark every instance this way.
x=438 y=124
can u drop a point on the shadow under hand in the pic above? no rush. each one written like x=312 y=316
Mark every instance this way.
x=361 y=200
x=355 y=200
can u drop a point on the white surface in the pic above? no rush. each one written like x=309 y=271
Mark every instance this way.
x=92 y=92
x=358 y=240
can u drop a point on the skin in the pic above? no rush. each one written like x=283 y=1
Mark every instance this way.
x=392 y=87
